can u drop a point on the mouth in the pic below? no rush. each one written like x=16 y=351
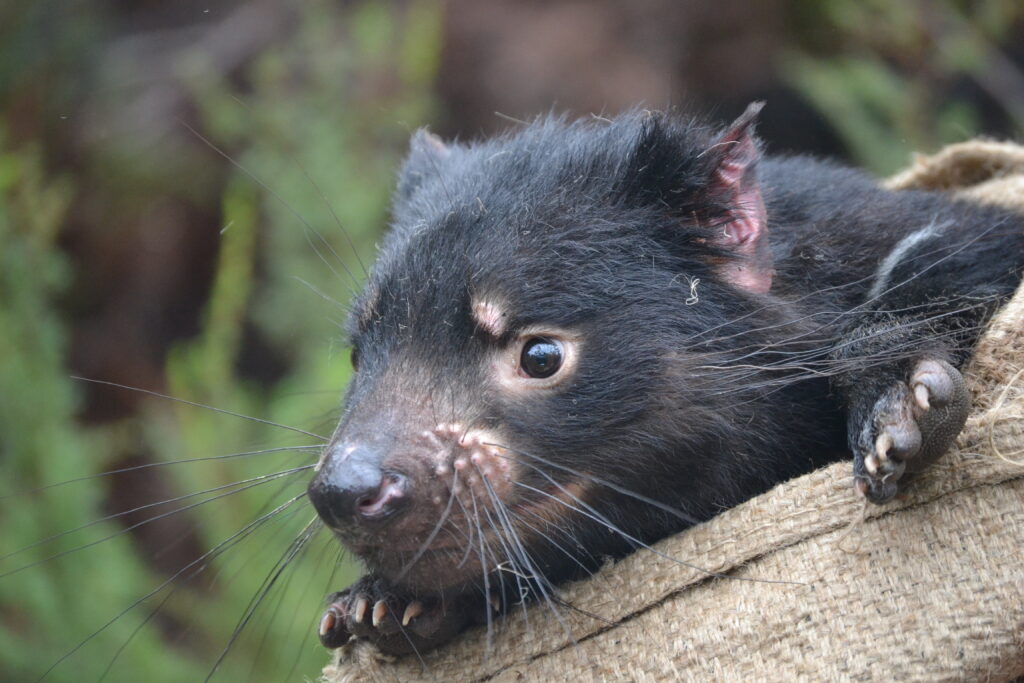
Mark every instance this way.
x=462 y=507
x=455 y=550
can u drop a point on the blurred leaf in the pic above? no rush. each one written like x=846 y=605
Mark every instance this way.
x=321 y=117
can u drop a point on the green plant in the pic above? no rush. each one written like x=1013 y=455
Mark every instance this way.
x=320 y=117
x=891 y=77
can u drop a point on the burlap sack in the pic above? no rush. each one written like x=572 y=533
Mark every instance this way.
x=817 y=584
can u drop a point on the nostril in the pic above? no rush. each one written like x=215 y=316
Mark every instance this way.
x=352 y=489
x=384 y=498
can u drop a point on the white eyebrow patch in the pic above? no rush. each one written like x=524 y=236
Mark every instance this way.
x=489 y=317
x=898 y=253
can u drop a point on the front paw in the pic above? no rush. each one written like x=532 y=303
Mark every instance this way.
x=909 y=426
x=394 y=622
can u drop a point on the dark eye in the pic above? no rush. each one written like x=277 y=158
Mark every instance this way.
x=541 y=357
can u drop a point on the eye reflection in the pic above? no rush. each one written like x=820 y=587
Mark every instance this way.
x=541 y=357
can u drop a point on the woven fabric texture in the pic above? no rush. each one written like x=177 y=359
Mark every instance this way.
x=815 y=584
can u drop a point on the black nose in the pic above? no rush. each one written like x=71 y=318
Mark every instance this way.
x=351 y=487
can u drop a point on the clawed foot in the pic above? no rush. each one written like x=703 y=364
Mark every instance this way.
x=370 y=609
x=910 y=425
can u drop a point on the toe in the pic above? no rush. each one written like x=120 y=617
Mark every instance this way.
x=358 y=617
x=948 y=405
x=897 y=437
x=878 y=490
x=386 y=618
x=897 y=441
x=934 y=383
x=332 y=631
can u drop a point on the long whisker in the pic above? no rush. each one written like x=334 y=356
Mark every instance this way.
x=331 y=582
x=826 y=364
x=347 y=308
x=588 y=570
x=216 y=550
x=158 y=503
x=536 y=576
x=755 y=380
x=152 y=613
x=470 y=536
x=165 y=463
x=258 y=481
x=327 y=202
x=266 y=188
x=433 y=533
x=194 y=404
x=675 y=512
x=826 y=342
x=293 y=551
x=590 y=513
x=826 y=329
x=859 y=307
x=305 y=642
x=486 y=574
x=554 y=544
x=518 y=573
x=334 y=215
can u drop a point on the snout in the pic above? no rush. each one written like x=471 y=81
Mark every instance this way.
x=352 y=488
x=387 y=497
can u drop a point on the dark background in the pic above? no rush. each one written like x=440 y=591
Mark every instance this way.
x=185 y=189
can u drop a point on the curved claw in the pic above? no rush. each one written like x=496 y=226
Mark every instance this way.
x=412 y=610
x=359 y=613
x=921 y=396
x=380 y=610
x=332 y=631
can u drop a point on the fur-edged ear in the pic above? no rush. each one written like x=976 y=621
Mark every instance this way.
x=427 y=155
x=423 y=141
x=744 y=230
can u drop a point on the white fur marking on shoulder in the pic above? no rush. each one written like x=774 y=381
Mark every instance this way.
x=884 y=272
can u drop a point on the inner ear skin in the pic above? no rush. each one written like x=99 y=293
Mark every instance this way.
x=744 y=231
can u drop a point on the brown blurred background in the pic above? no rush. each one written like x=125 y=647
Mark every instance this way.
x=185 y=184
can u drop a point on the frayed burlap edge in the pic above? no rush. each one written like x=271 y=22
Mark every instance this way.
x=817 y=585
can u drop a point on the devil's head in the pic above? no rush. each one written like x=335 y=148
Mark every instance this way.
x=527 y=342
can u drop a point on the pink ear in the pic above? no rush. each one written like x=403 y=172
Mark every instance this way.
x=745 y=230
x=425 y=141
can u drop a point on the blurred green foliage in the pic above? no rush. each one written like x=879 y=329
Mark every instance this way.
x=315 y=126
x=39 y=437
x=898 y=77
x=314 y=122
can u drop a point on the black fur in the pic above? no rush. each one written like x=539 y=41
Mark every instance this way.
x=689 y=390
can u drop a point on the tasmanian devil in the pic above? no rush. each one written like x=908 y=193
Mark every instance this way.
x=580 y=337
